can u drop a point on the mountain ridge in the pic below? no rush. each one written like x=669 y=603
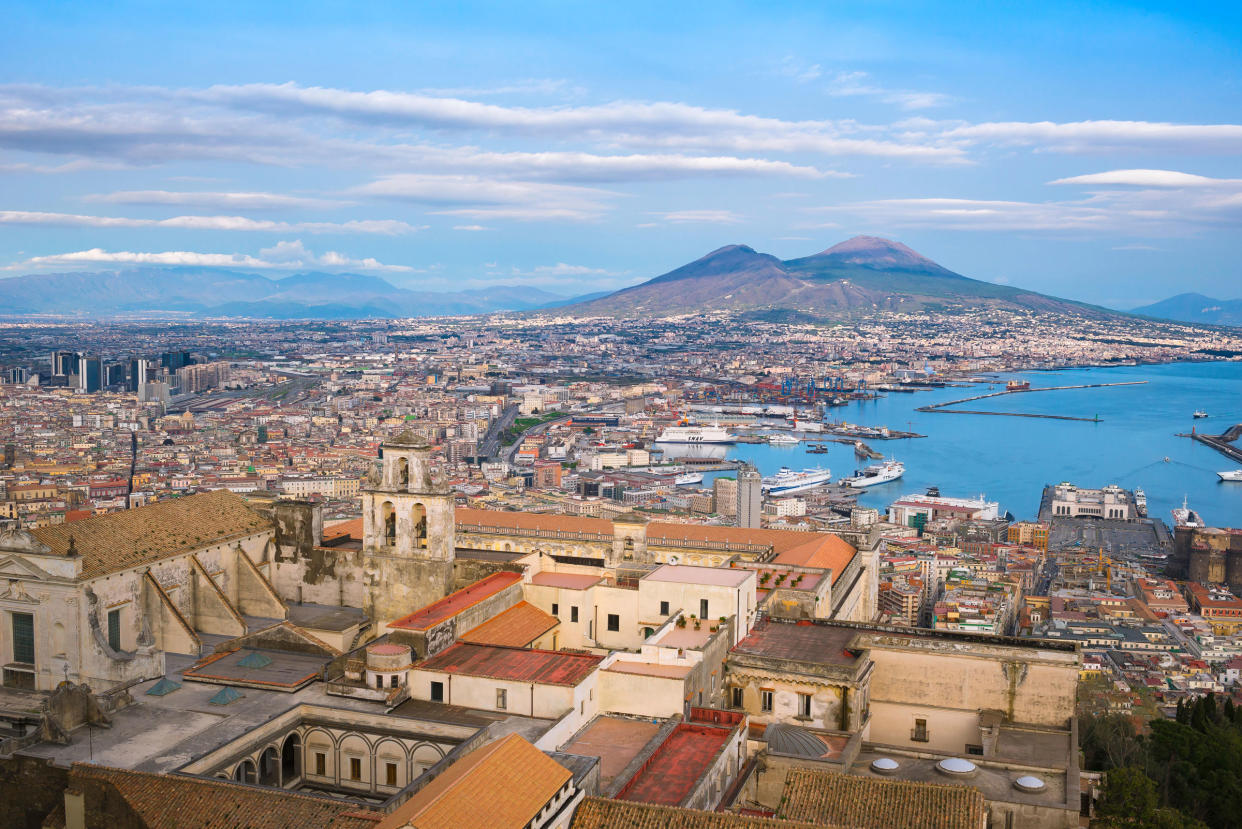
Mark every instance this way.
x=1195 y=308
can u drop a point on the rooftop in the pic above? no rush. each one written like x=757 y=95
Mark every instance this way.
x=454 y=603
x=615 y=741
x=801 y=641
x=598 y=813
x=516 y=627
x=518 y=664
x=675 y=768
x=280 y=671
x=568 y=581
x=869 y=802
x=689 y=574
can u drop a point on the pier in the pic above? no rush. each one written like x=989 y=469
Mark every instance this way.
x=942 y=408
x=1223 y=443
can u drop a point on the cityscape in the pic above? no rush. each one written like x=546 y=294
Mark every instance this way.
x=854 y=539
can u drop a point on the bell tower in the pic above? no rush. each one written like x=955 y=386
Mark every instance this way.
x=409 y=531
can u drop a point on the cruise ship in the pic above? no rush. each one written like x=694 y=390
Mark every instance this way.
x=787 y=482
x=1184 y=516
x=1231 y=475
x=877 y=473
x=695 y=434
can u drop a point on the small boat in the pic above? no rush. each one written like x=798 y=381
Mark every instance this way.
x=1200 y=414
x=783 y=440
x=1231 y=475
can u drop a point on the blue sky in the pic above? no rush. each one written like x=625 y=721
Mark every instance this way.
x=1090 y=150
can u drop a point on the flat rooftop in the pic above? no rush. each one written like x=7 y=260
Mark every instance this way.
x=454 y=603
x=568 y=581
x=687 y=637
x=802 y=642
x=284 y=671
x=517 y=664
x=677 y=765
x=690 y=574
x=616 y=741
x=650 y=669
x=326 y=617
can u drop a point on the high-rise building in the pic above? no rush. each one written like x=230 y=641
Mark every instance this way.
x=64 y=363
x=140 y=372
x=173 y=360
x=114 y=374
x=749 y=497
x=724 y=496
x=17 y=375
x=90 y=374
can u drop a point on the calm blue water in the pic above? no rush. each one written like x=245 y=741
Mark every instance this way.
x=1010 y=459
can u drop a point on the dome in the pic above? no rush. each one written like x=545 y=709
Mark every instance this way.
x=885 y=765
x=1029 y=783
x=956 y=766
x=793 y=740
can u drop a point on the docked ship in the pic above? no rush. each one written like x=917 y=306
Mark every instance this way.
x=688 y=479
x=1231 y=475
x=1184 y=516
x=783 y=440
x=695 y=435
x=876 y=474
x=788 y=482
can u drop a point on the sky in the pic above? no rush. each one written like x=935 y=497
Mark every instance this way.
x=1087 y=150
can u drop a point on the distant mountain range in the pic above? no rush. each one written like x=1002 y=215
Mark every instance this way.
x=862 y=274
x=220 y=292
x=1195 y=308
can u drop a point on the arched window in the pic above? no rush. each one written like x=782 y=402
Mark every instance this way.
x=418 y=519
x=403 y=472
x=291 y=758
x=390 y=523
x=269 y=767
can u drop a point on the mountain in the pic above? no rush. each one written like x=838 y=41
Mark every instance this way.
x=220 y=292
x=1195 y=308
x=861 y=274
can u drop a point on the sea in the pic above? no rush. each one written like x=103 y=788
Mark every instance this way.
x=1011 y=459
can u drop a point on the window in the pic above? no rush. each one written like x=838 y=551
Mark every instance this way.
x=919 y=733
x=737 y=697
x=614 y=621
x=573 y=613
x=392 y=681
x=114 y=629
x=390 y=774
x=765 y=700
x=556 y=609
x=804 y=705
x=702 y=608
x=23 y=638
x=974 y=749
x=379 y=681
x=663 y=608
x=355 y=768
x=437 y=692
x=502 y=698
x=321 y=763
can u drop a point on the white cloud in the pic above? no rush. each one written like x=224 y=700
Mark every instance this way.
x=471 y=228
x=251 y=201
x=854 y=84
x=283 y=255
x=1105 y=136
x=720 y=217
x=1150 y=178
x=390 y=227
x=477 y=197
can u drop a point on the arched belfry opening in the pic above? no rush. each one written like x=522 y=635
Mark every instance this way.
x=389 y=524
x=418 y=520
x=403 y=473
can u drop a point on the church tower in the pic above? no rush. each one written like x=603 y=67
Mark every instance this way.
x=409 y=532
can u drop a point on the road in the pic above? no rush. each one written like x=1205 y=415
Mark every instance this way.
x=489 y=447
x=507 y=452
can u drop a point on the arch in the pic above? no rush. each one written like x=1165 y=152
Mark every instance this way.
x=648 y=633
x=269 y=767
x=326 y=745
x=59 y=640
x=424 y=756
x=389 y=523
x=395 y=754
x=291 y=757
x=508 y=547
x=418 y=520
x=352 y=747
x=403 y=472
x=245 y=772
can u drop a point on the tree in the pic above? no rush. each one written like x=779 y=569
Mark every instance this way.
x=262 y=434
x=1129 y=794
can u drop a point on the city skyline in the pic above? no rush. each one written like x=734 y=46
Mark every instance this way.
x=1090 y=154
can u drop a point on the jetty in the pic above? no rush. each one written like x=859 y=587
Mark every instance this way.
x=943 y=408
x=1223 y=443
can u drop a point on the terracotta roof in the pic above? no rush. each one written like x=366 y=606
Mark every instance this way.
x=352 y=528
x=169 y=801
x=873 y=803
x=804 y=642
x=500 y=785
x=517 y=627
x=598 y=813
x=532 y=521
x=130 y=538
x=519 y=664
x=454 y=603
x=674 y=769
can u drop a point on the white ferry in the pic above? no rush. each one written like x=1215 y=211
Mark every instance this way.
x=876 y=474
x=787 y=482
x=1231 y=475
x=695 y=434
x=688 y=479
x=783 y=440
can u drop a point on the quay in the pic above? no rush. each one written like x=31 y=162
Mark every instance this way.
x=943 y=407
x=1223 y=443
x=1095 y=419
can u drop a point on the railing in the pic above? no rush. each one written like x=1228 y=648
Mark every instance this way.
x=570 y=535
x=706 y=544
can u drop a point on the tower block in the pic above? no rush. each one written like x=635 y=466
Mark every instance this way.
x=409 y=532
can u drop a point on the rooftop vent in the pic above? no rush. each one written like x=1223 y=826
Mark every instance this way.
x=885 y=765
x=1028 y=783
x=956 y=767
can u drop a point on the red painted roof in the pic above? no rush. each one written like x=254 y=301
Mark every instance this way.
x=677 y=765
x=823 y=644
x=454 y=603
x=518 y=664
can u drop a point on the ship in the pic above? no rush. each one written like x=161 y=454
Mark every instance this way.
x=876 y=474
x=787 y=482
x=695 y=435
x=1231 y=475
x=1015 y=385
x=1184 y=516
x=783 y=440
x=1140 y=502
x=688 y=479
x=1199 y=414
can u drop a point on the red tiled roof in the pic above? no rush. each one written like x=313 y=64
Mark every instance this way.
x=532 y=521
x=518 y=664
x=517 y=627
x=804 y=642
x=455 y=603
x=676 y=766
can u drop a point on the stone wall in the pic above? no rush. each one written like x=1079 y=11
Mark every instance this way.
x=30 y=789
